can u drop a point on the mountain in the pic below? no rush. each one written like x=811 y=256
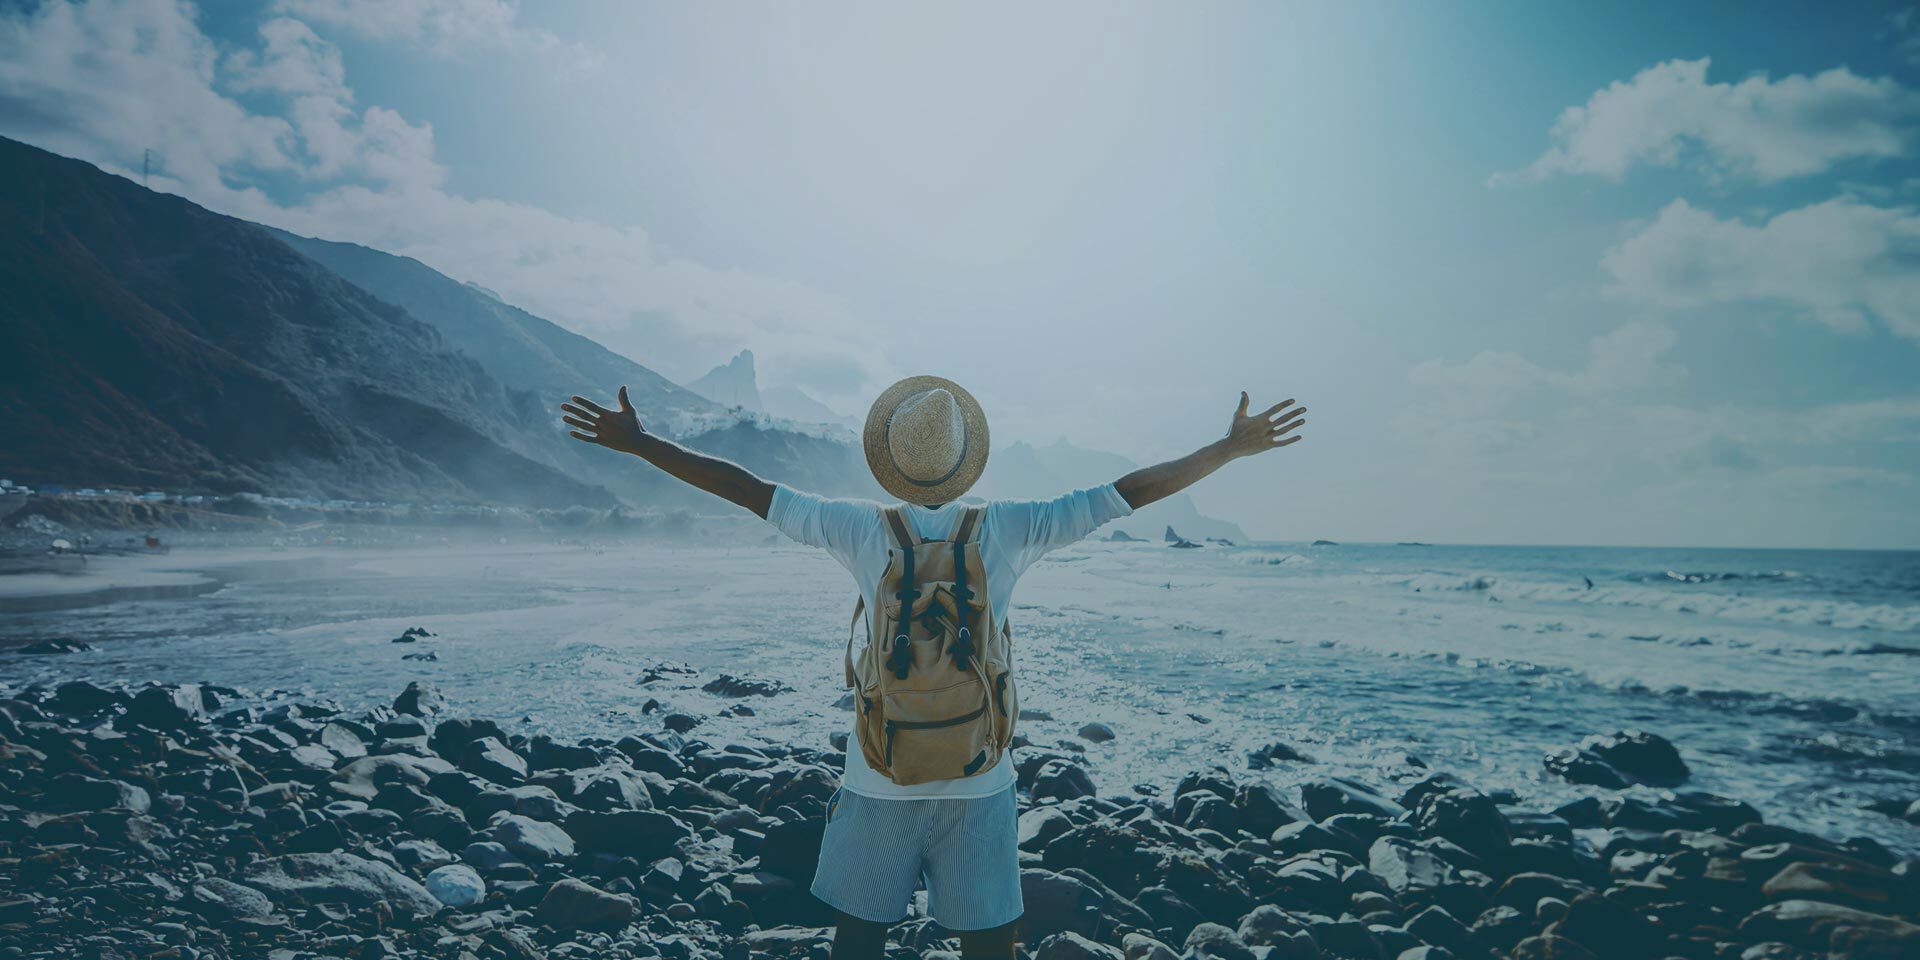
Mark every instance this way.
x=149 y=342
x=731 y=384
x=1020 y=469
x=152 y=343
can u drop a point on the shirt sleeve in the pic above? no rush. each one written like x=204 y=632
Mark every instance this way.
x=839 y=526
x=1028 y=529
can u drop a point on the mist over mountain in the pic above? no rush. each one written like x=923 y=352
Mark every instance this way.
x=152 y=343
x=731 y=384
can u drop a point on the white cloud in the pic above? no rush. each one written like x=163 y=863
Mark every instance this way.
x=1841 y=261
x=444 y=28
x=1760 y=128
x=103 y=79
x=1904 y=25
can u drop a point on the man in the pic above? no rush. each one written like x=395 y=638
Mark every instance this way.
x=926 y=442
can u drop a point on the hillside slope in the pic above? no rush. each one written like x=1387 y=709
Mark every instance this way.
x=149 y=342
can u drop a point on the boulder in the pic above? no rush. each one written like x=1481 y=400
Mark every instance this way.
x=1620 y=760
x=221 y=899
x=1072 y=946
x=167 y=708
x=1337 y=795
x=1549 y=947
x=79 y=698
x=489 y=758
x=1263 y=810
x=1096 y=732
x=1609 y=929
x=575 y=905
x=456 y=885
x=450 y=737
x=1467 y=817
x=1059 y=904
x=1855 y=885
x=1813 y=926
x=1213 y=941
x=1265 y=756
x=726 y=685
x=363 y=778
x=1406 y=866
x=310 y=878
x=645 y=835
x=1062 y=780
x=420 y=699
x=73 y=791
x=534 y=840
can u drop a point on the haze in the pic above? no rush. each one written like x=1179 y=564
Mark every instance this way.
x=1543 y=273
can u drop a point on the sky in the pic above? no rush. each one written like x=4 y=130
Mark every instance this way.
x=1543 y=273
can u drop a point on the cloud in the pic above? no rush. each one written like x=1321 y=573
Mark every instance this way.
x=1524 y=444
x=1841 y=261
x=104 y=79
x=1764 y=129
x=1904 y=26
x=443 y=28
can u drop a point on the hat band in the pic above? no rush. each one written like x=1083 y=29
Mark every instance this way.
x=958 y=462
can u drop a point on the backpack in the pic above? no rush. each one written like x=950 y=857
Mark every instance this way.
x=933 y=688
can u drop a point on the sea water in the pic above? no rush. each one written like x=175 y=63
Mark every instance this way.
x=1790 y=679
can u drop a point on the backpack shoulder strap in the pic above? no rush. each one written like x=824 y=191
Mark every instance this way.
x=969 y=524
x=902 y=530
x=859 y=608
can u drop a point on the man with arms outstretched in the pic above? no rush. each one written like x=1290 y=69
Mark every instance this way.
x=890 y=828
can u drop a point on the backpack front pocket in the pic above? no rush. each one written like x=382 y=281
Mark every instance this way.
x=937 y=734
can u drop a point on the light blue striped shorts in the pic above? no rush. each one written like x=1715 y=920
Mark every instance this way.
x=878 y=851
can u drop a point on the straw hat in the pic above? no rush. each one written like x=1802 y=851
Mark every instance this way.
x=926 y=440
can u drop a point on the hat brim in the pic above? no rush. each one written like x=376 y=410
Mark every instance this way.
x=973 y=458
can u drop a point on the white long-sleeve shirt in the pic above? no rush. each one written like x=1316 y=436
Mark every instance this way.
x=1013 y=534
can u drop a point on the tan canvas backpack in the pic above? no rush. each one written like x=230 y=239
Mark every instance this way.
x=934 y=687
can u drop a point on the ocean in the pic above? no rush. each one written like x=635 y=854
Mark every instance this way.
x=1787 y=678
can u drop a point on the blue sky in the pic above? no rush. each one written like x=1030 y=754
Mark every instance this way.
x=1544 y=273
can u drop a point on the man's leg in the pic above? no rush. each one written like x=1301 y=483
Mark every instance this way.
x=995 y=943
x=857 y=939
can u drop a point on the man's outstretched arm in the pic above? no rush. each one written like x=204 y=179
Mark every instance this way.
x=621 y=430
x=1246 y=436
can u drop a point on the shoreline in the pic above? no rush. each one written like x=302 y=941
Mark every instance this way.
x=238 y=824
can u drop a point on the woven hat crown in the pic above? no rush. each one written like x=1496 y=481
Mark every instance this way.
x=926 y=436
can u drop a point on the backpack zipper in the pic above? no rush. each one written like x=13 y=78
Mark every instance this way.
x=893 y=725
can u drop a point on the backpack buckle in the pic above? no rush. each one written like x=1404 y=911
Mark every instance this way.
x=963 y=648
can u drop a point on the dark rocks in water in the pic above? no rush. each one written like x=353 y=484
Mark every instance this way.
x=679 y=722
x=79 y=698
x=1325 y=543
x=56 y=646
x=420 y=699
x=1096 y=732
x=1172 y=537
x=1223 y=541
x=428 y=656
x=166 y=708
x=310 y=878
x=1620 y=760
x=726 y=685
x=1121 y=536
x=1184 y=545
x=1336 y=795
x=1062 y=780
x=576 y=905
x=1264 y=757
x=413 y=634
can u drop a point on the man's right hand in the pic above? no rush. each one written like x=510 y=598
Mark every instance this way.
x=614 y=429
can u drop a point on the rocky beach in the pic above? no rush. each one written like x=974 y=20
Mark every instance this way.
x=197 y=821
